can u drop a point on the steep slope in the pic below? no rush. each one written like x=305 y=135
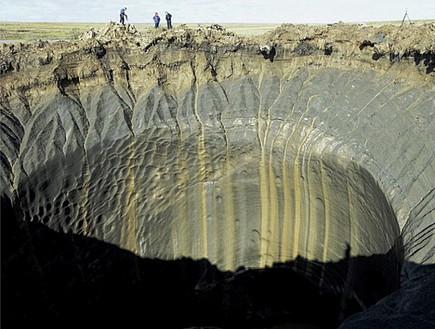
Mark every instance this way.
x=313 y=143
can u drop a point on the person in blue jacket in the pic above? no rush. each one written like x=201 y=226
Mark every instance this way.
x=122 y=15
x=156 y=19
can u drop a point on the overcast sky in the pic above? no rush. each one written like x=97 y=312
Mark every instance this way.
x=218 y=11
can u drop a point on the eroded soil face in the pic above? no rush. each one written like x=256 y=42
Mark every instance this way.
x=215 y=165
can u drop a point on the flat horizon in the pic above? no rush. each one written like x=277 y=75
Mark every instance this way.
x=15 y=31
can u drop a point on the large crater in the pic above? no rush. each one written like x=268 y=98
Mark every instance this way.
x=231 y=172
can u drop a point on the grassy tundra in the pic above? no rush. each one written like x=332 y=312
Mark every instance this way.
x=25 y=31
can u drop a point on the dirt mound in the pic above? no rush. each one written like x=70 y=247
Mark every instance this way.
x=390 y=42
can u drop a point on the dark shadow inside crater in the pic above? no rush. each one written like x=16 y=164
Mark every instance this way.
x=51 y=279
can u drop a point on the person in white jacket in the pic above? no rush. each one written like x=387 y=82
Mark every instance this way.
x=122 y=15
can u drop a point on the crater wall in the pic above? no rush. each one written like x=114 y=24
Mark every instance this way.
x=312 y=142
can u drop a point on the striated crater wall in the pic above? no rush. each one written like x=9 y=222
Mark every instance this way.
x=312 y=142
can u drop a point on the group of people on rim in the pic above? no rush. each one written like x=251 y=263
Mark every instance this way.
x=156 y=18
x=168 y=17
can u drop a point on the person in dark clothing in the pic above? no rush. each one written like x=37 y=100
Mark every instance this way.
x=156 y=19
x=122 y=15
x=168 y=19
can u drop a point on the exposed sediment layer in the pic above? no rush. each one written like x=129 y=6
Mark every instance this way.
x=312 y=142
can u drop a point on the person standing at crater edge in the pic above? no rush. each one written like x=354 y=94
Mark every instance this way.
x=168 y=19
x=156 y=19
x=122 y=15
